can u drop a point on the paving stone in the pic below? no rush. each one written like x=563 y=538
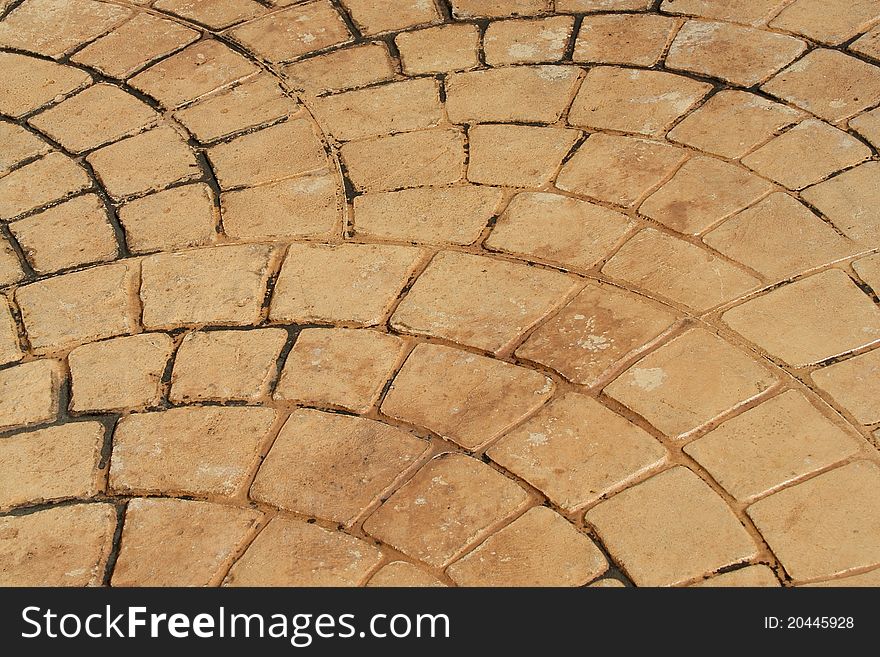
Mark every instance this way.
x=414 y=159
x=403 y=574
x=868 y=126
x=819 y=148
x=10 y=350
x=868 y=270
x=634 y=100
x=216 y=14
x=530 y=41
x=608 y=582
x=439 y=49
x=670 y=529
x=633 y=39
x=868 y=44
x=191 y=451
x=558 y=229
x=146 y=162
x=292 y=553
x=100 y=114
x=122 y=373
x=479 y=301
x=576 y=451
x=772 y=445
x=517 y=156
x=827 y=21
x=690 y=381
x=455 y=215
x=73 y=233
x=172 y=219
x=463 y=397
x=540 y=548
x=30 y=393
x=19 y=146
x=354 y=283
x=601 y=327
x=452 y=502
x=10 y=268
x=603 y=168
x=219 y=285
x=193 y=72
x=29 y=83
x=56 y=27
x=50 y=464
x=751 y=12
x=825 y=526
x=254 y=102
x=280 y=151
x=297 y=207
x=678 y=270
x=168 y=542
x=750 y=576
x=293 y=32
x=743 y=56
x=373 y=16
x=364 y=113
x=134 y=44
x=333 y=466
x=520 y=93
x=756 y=119
x=829 y=84
x=349 y=68
x=340 y=367
x=701 y=193
x=779 y=237
x=78 y=307
x=810 y=320
x=498 y=8
x=851 y=201
x=49 y=179
x=59 y=546
x=871 y=579
x=855 y=385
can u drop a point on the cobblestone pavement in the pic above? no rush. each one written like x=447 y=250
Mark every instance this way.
x=505 y=292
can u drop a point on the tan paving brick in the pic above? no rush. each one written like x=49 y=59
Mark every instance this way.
x=224 y=365
x=349 y=68
x=603 y=168
x=558 y=229
x=517 y=156
x=345 y=283
x=868 y=44
x=450 y=503
x=810 y=320
x=868 y=270
x=678 y=270
x=439 y=49
x=527 y=41
x=463 y=397
x=634 y=100
x=19 y=145
x=178 y=542
x=192 y=451
x=172 y=219
x=855 y=384
x=220 y=285
x=333 y=466
x=825 y=526
x=495 y=8
x=779 y=237
x=49 y=179
x=751 y=12
x=520 y=93
x=29 y=83
x=216 y=14
x=756 y=119
x=633 y=39
x=76 y=232
x=402 y=574
x=601 y=5
x=293 y=553
x=79 y=307
x=759 y=575
x=122 y=373
x=280 y=151
x=60 y=546
x=851 y=201
x=479 y=301
x=576 y=451
x=134 y=44
x=31 y=393
x=373 y=16
x=690 y=381
x=772 y=445
x=10 y=267
x=827 y=21
x=540 y=548
x=338 y=367
x=599 y=328
x=868 y=126
x=455 y=215
x=50 y=464
x=10 y=350
x=670 y=529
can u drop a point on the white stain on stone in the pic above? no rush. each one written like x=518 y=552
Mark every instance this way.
x=649 y=378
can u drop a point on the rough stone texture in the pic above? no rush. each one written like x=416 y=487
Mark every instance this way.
x=342 y=69
x=402 y=574
x=216 y=14
x=10 y=349
x=51 y=178
x=374 y=16
x=172 y=219
x=19 y=146
x=439 y=49
x=531 y=41
x=851 y=201
x=752 y=576
x=751 y=12
x=855 y=385
x=517 y=156
x=627 y=39
x=29 y=83
x=827 y=21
